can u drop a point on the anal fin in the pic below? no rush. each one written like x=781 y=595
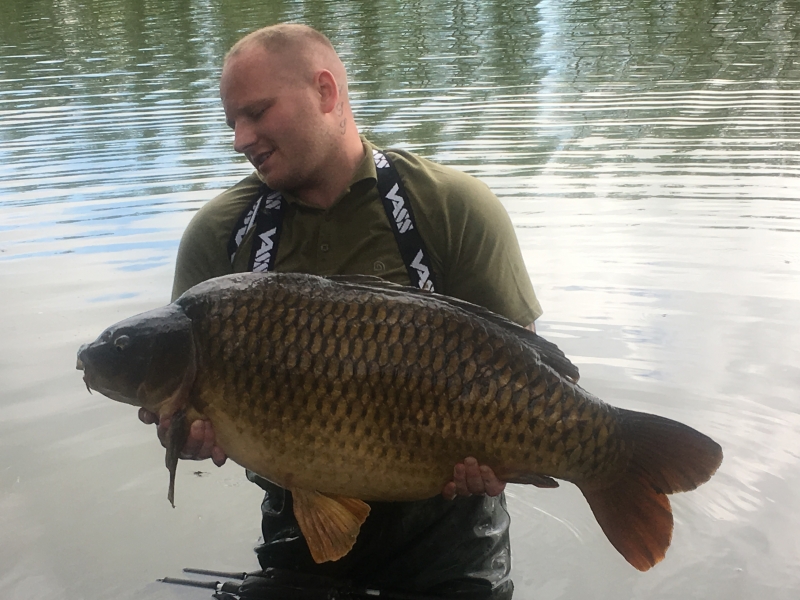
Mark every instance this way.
x=330 y=524
x=540 y=481
x=526 y=477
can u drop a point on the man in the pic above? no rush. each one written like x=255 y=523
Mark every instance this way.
x=284 y=92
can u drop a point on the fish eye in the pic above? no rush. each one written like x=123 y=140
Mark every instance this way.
x=121 y=343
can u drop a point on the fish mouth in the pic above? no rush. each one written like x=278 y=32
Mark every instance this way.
x=80 y=365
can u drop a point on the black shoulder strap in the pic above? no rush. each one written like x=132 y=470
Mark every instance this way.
x=398 y=210
x=265 y=214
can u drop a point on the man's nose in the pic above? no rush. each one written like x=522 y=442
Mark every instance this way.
x=243 y=137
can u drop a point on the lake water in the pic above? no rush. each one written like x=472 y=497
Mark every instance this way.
x=647 y=152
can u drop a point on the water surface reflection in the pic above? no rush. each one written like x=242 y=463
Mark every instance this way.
x=648 y=153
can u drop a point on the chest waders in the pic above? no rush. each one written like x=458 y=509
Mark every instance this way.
x=265 y=216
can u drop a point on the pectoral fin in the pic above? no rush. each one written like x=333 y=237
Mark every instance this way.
x=177 y=434
x=330 y=524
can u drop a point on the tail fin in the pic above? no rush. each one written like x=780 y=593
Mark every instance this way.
x=634 y=511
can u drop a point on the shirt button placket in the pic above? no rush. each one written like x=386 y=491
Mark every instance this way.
x=324 y=242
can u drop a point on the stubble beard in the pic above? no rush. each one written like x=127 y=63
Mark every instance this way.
x=306 y=166
x=294 y=181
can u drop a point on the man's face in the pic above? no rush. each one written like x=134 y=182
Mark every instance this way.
x=273 y=109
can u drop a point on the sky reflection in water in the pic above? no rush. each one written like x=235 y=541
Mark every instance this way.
x=647 y=153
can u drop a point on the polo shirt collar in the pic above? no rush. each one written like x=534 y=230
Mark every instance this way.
x=365 y=177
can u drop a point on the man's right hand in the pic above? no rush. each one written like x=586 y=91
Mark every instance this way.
x=201 y=442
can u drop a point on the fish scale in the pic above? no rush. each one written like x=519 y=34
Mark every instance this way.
x=443 y=374
x=344 y=391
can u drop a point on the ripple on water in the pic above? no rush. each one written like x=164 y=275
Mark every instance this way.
x=648 y=156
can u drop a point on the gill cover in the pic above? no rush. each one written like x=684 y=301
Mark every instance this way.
x=147 y=360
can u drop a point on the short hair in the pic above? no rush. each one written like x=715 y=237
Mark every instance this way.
x=284 y=37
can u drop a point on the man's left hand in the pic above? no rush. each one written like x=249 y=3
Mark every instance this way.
x=471 y=478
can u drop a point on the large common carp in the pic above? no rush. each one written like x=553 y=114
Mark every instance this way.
x=345 y=390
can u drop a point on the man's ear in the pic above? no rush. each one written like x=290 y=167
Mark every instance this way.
x=328 y=90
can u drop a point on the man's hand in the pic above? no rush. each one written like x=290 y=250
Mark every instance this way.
x=471 y=478
x=200 y=444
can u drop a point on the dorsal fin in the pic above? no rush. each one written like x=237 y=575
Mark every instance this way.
x=550 y=354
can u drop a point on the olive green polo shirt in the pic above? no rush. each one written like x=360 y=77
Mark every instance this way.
x=468 y=235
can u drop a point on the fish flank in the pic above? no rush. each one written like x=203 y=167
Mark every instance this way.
x=375 y=393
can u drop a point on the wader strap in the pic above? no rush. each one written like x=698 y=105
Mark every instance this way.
x=266 y=216
x=266 y=212
x=398 y=210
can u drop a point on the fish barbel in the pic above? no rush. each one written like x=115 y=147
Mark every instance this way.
x=345 y=390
